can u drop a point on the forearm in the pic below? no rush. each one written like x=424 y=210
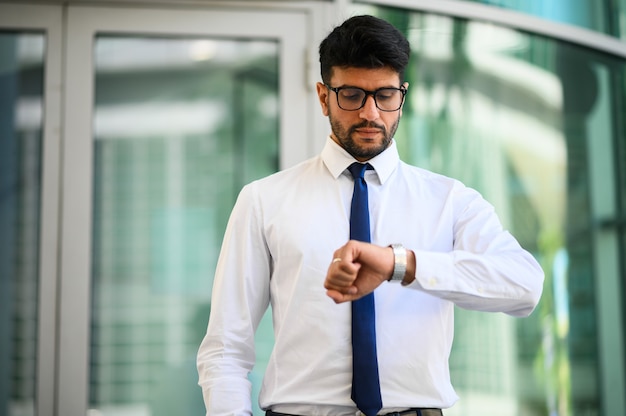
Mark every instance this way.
x=240 y=298
x=225 y=387
x=505 y=280
x=509 y=282
x=484 y=269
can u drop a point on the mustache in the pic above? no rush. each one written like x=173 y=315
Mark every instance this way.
x=369 y=125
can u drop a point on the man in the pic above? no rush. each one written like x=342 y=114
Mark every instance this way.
x=299 y=239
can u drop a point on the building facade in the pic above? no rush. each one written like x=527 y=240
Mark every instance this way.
x=127 y=129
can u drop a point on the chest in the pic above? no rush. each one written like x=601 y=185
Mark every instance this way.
x=312 y=219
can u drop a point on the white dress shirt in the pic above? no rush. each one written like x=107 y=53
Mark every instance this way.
x=277 y=248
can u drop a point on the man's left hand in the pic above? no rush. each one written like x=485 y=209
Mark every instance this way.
x=357 y=268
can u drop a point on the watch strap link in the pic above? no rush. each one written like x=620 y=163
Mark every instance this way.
x=399 y=266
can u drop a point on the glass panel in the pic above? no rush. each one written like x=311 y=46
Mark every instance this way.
x=620 y=17
x=21 y=122
x=514 y=116
x=180 y=126
x=591 y=14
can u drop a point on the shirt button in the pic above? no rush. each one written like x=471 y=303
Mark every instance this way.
x=432 y=281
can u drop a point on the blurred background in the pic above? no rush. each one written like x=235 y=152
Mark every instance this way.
x=127 y=129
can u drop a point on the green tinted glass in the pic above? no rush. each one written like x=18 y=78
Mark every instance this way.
x=534 y=124
x=21 y=147
x=180 y=126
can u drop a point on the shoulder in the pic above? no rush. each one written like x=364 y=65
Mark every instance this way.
x=286 y=179
x=416 y=174
x=437 y=184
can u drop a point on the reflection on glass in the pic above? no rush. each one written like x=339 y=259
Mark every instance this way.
x=180 y=126
x=590 y=14
x=514 y=115
x=21 y=108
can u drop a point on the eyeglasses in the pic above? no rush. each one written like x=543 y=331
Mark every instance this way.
x=352 y=98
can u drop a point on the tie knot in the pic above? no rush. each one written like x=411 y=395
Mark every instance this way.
x=358 y=169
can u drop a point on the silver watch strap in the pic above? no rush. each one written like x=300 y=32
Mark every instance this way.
x=399 y=266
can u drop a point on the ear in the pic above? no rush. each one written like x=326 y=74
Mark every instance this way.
x=322 y=95
x=406 y=86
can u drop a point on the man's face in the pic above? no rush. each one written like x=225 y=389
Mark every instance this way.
x=366 y=132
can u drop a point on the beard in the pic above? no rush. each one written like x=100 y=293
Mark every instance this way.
x=346 y=139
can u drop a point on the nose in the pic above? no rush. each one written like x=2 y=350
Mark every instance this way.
x=369 y=111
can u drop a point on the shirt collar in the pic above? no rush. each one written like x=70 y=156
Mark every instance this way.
x=337 y=160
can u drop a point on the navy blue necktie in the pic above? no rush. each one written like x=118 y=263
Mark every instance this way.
x=365 y=383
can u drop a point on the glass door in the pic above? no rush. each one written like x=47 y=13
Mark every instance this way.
x=172 y=113
x=30 y=38
x=22 y=57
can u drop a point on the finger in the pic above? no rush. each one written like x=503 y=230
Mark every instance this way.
x=345 y=290
x=340 y=297
x=336 y=283
x=345 y=253
x=341 y=274
x=339 y=283
x=346 y=267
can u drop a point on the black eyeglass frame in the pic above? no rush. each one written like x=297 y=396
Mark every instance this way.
x=336 y=90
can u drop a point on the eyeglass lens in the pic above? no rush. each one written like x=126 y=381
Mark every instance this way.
x=387 y=99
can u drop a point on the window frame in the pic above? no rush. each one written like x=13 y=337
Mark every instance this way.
x=84 y=23
x=47 y=20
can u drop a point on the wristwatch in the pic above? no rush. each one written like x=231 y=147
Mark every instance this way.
x=399 y=266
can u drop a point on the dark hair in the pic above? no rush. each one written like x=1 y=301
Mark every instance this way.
x=364 y=42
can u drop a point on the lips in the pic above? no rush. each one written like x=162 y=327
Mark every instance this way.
x=368 y=128
x=368 y=131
